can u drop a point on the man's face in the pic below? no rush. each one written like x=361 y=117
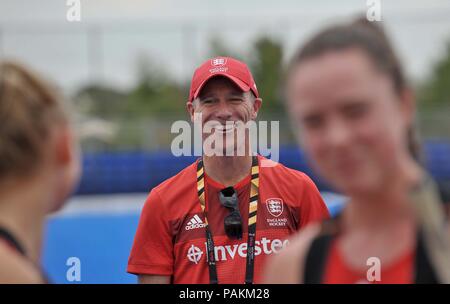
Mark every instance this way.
x=224 y=106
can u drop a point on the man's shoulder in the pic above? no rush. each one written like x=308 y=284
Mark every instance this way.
x=173 y=194
x=274 y=169
x=178 y=182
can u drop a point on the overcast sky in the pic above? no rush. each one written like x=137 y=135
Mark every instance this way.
x=174 y=35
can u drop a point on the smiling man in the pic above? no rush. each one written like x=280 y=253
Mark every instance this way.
x=218 y=219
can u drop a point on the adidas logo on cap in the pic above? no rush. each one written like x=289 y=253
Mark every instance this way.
x=194 y=223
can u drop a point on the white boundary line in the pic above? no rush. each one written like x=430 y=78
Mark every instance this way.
x=109 y=204
x=132 y=203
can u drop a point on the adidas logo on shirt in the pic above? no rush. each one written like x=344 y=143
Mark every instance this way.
x=194 y=223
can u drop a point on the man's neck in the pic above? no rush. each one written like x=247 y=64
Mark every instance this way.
x=227 y=170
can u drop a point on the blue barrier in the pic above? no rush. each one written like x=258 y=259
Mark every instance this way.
x=102 y=244
x=102 y=241
x=126 y=172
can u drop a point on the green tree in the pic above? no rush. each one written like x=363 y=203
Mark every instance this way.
x=266 y=66
x=155 y=93
x=434 y=100
x=99 y=101
x=436 y=91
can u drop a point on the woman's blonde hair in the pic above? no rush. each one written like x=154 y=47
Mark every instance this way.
x=29 y=110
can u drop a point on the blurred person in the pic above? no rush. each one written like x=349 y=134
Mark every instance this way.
x=198 y=226
x=354 y=112
x=39 y=167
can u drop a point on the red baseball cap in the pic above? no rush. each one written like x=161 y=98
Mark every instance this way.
x=233 y=69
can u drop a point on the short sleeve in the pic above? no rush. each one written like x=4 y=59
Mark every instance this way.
x=152 y=251
x=312 y=207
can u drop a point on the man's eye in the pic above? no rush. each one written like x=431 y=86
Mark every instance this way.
x=207 y=101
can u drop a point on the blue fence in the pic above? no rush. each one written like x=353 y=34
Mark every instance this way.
x=125 y=172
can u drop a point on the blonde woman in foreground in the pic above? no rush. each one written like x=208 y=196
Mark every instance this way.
x=39 y=167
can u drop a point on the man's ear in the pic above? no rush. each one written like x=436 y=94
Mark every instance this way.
x=190 y=109
x=256 y=106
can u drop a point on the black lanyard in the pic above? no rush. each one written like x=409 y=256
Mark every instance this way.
x=252 y=210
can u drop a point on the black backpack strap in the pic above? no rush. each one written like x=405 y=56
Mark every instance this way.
x=6 y=235
x=317 y=255
x=424 y=273
x=316 y=259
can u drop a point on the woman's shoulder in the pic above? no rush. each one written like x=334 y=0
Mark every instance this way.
x=16 y=269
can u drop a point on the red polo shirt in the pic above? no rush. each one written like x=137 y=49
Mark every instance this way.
x=170 y=239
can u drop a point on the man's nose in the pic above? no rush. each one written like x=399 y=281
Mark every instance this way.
x=223 y=111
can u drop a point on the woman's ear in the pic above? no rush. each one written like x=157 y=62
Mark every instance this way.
x=408 y=106
x=64 y=143
x=68 y=163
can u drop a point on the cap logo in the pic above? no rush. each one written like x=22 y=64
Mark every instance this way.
x=218 y=62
